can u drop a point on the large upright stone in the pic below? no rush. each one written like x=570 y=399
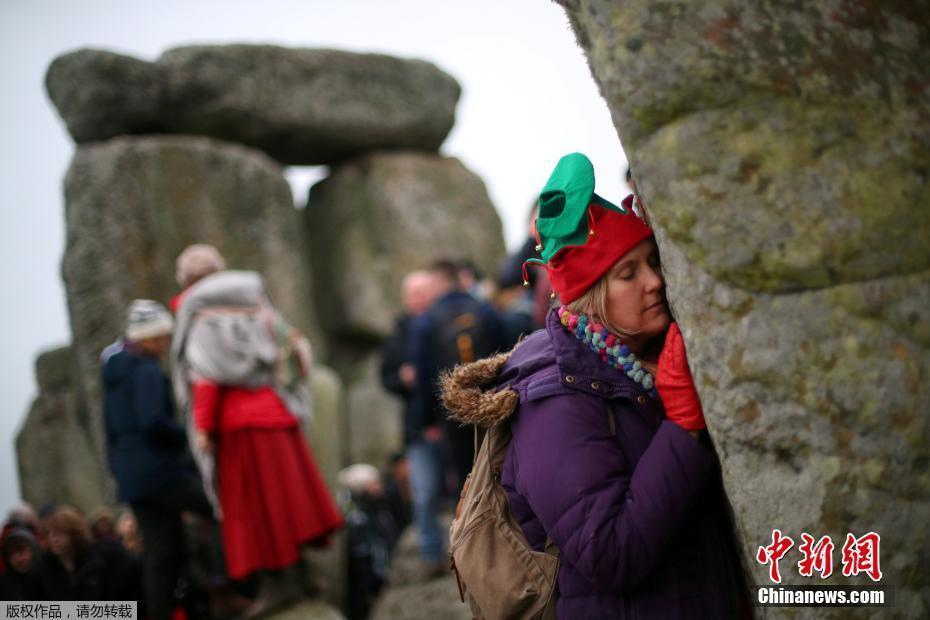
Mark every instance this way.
x=326 y=435
x=783 y=151
x=53 y=448
x=380 y=216
x=375 y=415
x=132 y=205
x=301 y=106
x=372 y=221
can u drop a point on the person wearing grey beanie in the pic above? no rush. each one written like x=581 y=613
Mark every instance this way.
x=147 y=448
x=148 y=319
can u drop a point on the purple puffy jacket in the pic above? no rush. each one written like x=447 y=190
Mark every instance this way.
x=639 y=516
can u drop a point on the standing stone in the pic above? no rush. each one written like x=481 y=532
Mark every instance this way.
x=783 y=151
x=301 y=106
x=375 y=416
x=326 y=435
x=55 y=460
x=378 y=217
x=372 y=221
x=132 y=205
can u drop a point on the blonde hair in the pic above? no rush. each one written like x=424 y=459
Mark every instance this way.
x=593 y=302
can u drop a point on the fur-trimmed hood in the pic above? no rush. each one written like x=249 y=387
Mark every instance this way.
x=470 y=394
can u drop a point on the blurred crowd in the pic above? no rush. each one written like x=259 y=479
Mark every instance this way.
x=215 y=513
x=58 y=553
x=217 y=509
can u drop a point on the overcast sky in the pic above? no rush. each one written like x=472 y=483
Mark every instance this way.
x=528 y=97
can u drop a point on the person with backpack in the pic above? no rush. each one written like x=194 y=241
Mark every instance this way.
x=457 y=329
x=594 y=464
x=240 y=372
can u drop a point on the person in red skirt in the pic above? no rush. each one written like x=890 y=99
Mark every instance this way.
x=246 y=422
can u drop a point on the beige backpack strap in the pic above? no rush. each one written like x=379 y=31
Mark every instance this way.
x=479 y=436
x=550 y=548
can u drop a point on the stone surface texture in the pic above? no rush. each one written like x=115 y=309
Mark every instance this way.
x=53 y=446
x=326 y=436
x=408 y=596
x=375 y=416
x=783 y=152
x=301 y=106
x=372 y=221
x=378 y=217
x=101 y=94
x=132 y=205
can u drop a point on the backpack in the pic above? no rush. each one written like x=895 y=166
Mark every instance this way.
x=462 y=335
x=498 y=573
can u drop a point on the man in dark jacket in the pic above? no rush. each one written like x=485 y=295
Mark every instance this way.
x=147 y=448
x=398 y=375
x=457 y=329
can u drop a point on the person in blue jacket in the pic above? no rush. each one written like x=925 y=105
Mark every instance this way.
x=147 y=449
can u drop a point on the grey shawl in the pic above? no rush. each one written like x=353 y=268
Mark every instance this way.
x=228 y=332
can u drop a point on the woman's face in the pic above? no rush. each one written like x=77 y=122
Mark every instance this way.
x=126 y=525
x=636 y=294
x=156 y=346
x=20 y=557
x=59 y=542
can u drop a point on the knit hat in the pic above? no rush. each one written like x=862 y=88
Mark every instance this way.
x=21 y=535
x=147 y=319
x=581 y=235
x=196 y=261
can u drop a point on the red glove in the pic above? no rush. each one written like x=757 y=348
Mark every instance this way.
x=675 y=385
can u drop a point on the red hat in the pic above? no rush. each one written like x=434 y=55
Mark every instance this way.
x=581 y=234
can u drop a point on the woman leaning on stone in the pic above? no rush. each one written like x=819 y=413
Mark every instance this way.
x=638 y=513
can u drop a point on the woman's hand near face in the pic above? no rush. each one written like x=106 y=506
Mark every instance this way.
x=676 y=386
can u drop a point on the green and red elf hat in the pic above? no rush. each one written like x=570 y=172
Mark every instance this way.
x=580 y=234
